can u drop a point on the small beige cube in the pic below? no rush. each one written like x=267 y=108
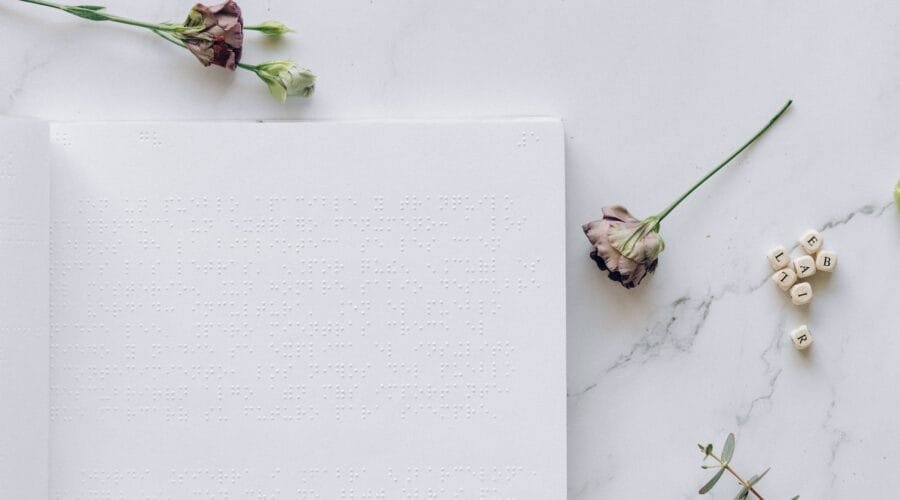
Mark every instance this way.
x=785 y=278
x=801 y=294
x=826 y=261
x=811 y=241
x=804 y=266
x=778 y=257
x=801 y=338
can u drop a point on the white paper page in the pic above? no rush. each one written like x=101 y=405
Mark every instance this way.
x=366 y=310
x=24 y=322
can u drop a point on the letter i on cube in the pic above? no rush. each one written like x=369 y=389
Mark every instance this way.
x=785 y=278
x=801 y=294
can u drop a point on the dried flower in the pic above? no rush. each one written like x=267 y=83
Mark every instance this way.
x=624 y=246
x=286 y=78
x=270 y=28
x=215 y=34
x=628 y=248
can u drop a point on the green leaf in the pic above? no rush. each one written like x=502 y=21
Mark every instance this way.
x=755 y=479
x=708 y=450
x=86 y=12
x=90 y=7
x=896 y=202
x=796 y=497
x=728 y=449
x=712 y=482
x=745 y=490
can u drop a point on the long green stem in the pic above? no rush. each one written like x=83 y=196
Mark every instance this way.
x=108 y=17
x=713 y=172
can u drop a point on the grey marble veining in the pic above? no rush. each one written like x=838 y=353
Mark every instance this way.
x=651 y=97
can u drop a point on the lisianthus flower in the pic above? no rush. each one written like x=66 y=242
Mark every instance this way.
x=624 y=246
x=628 y=248
x=215 y=35
x=286 y=78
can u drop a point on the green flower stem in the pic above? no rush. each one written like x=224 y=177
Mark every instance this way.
x=108 y=17
x=724 y=465
x=713 y=172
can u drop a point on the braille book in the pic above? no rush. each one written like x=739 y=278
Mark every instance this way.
x=332 y=310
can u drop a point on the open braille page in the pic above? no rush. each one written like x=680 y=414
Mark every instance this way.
x=360 y=310
x=24 y=330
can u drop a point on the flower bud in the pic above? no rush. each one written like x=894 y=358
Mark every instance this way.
x=270 y=28
x=286 y=78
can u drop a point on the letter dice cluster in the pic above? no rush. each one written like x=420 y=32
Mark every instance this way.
x=789 y=272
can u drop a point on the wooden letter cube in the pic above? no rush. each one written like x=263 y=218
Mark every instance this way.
x=801 y=337
x=826 y=261
x=785 y=278
x=804 y=266
x=811 y=241
x=801 y=294
x=778 y=257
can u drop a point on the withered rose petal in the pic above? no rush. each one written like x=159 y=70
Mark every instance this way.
x=626 y=271
x=221 y=40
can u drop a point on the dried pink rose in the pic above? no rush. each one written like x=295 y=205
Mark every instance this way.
x=624 y=246
x=215 y=34
x=629 y=248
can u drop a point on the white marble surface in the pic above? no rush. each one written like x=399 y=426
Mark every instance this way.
x=651 y=96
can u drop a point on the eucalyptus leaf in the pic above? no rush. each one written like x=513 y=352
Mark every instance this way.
x=728 y=449
x=90 y=7
x=755 y=479
x=743 y=494
x=896 y=201
x=712 y=482
x=796 y=497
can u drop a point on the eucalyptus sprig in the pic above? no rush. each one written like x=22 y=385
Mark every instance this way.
x=723 y=464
